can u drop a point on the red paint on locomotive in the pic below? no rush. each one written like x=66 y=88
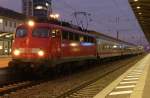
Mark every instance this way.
x=48 y=40
x=51 y=44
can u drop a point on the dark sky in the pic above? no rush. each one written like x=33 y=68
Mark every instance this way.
x=103 y=16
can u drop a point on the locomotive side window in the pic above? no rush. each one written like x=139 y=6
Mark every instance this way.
x=91 y=39
x=81 y=38
x=71 y=36
x=40 y=32
x=21 y=32
x=76 y=37
x=65 y=35
x=86 y=38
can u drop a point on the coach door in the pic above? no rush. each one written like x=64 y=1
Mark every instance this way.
x=56 y=44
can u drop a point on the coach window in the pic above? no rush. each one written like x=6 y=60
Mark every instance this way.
x=86 y=38
x=90 y=39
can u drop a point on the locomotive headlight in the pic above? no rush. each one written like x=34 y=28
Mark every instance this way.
x=31 y=23
x=16 y=52
x=41 y=53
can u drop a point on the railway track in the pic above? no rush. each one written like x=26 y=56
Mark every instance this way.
x=13 y=87
x=91 y=87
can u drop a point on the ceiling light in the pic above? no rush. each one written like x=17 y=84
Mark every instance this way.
x=1 y=20
x=1 y=47
x=47 y=4
x=136 y=0
x=7 y=36
x=39 y=7
x=140 y=13
x=138 y=7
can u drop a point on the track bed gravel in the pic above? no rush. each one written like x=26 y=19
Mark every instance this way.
x=58 y=86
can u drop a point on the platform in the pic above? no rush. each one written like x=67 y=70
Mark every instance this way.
x=4 y=61
x=134 y=83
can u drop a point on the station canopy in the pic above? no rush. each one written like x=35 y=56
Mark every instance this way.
x=9 y=14
x=141 y=10
x=4 y=36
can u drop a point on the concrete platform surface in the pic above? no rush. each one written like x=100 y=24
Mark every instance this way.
x=134 y=83
x=4 y=62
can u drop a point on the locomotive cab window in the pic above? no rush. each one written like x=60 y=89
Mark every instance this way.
x=40 y=32
x=21 y=32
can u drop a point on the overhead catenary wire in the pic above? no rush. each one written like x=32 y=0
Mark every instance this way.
x=122 y=13
x=73 y=10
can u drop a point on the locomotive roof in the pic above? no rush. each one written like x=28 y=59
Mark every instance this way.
x=63 y=28
x=73 y=30
x=78 y=29
x=67 y=26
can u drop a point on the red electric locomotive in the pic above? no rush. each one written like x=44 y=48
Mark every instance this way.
x=39 y=45
x=43 y=45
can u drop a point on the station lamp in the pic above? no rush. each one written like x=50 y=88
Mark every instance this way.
x=1 y=20
x=39 y=7
x=136 y=0
x=1 y=47
x=138 y=7
x=140 y=13
x=57 y=15
x=114 y=46
x=54 y=16
x=47 y=4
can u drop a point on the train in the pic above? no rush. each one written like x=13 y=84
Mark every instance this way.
x=40 y=45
